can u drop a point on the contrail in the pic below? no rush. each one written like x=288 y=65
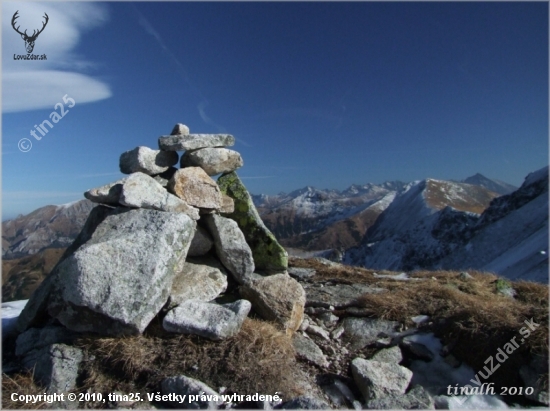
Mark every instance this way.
x=181 y=69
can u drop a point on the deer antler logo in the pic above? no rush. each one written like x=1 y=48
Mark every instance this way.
x=29 y=40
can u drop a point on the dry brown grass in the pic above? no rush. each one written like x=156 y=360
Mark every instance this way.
x=469 y=315
x=22 y=384
x=260 y=358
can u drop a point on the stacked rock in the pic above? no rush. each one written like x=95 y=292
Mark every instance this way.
x=170 y=240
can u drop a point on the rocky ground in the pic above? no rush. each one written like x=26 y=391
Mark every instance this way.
x=368 y=340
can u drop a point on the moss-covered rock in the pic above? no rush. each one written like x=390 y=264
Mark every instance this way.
x=269 y=255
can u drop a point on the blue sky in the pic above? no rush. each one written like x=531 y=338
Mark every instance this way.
x=320 y=94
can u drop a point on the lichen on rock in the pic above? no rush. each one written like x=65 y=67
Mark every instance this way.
x=269 y=255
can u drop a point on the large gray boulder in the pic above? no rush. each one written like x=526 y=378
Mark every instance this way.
x=200 y=279
x=195 y=141
x=35 y=313
x=196 y=188
x=142 y=191
x=231 y=247
x=380 y=379
x=307 y=350
x=269 y=255
x=213 y=160
x=209 y=320
x=117 y=281
x=147 y=161
x=187 y=386
x=277 y=298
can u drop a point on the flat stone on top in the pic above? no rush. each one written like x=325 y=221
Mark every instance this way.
x=195 y=141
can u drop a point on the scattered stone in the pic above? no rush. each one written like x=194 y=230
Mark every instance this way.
x=201 y=244
x=277 y=298
x=304 y=403
x=339 y=296
x=339 y=393
x=199 y=279
x=117 y=281
x=417 y=350
x=56 y=367
x=415 y=399
x=337 y=332
x=318 y=331
x=392 y=355
x=269 y=255
x=309 y=351
x=301 y=273
x=196 y=188
x=379 y=379
x=209 y=320
x=180 y=130
x=195 y=141
x=142 y=191
x=360 y=332
x=107 y=194
x=231 y=247
x=213 y=160
x=147 y=161
x=328 y=319
x=304 y=324
x=182 y=385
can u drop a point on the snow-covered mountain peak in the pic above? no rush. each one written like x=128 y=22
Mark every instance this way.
x=535 y=176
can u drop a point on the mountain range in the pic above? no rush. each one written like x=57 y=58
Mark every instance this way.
x=445 y=225
x=392 y=225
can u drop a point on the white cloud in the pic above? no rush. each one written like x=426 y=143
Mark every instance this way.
x=31 y=85
x=47 y=88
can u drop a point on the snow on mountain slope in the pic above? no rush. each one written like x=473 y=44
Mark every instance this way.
x=311 y=218
x=344 y=233
x=421 y=225
x=511 y=237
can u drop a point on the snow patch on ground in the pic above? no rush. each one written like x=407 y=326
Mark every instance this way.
x=435 y=376
x=10 y=314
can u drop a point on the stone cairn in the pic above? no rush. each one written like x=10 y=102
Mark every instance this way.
x=162 y=240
